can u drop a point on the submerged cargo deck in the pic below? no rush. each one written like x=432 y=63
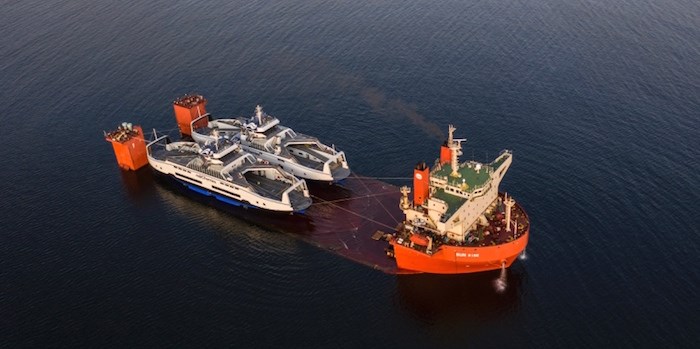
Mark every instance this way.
x=345 y=218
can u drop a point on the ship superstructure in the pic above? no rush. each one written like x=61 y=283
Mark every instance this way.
x=458 y=222
x=263 y=135
x=221 y=168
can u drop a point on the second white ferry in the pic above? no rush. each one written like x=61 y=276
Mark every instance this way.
x=220 y=168
x=263 y=136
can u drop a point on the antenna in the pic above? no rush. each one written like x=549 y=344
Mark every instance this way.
x=450 y=130
x=216 y=139
x=259 y=114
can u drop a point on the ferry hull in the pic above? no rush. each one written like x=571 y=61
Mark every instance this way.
x=458 y=260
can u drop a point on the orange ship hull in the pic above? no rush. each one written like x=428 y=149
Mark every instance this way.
x=459 y=259
x=451 y=259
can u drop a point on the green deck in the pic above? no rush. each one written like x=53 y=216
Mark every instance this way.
x=468 y=176
x=473 y=179
x=453 y=202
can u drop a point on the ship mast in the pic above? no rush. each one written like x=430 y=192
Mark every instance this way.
x=405 y=204
x=450 y=133
x=455 y=146
x=509 y=203
x=259 y=114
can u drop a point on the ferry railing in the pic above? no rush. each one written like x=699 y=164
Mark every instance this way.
x=300 y=183
x=257 y=146
x=229 y=124
x=154 y=142
x=207 y=115
x=458 y=184
x=334 y=158
x=205 y=170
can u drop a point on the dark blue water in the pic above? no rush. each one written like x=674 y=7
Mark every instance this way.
x=600 y=101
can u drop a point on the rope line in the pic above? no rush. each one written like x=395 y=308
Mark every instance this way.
x=355 y=198
x=383 y=178
x=379 y=202
x=357 y=214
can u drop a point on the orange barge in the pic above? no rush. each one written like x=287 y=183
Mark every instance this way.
x=458 y=221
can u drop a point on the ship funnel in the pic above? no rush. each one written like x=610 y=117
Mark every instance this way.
x=445 y=153
x=421 y=183
x=187 y=108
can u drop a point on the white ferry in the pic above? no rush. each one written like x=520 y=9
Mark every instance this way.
x=263 y=136
x=220 y=168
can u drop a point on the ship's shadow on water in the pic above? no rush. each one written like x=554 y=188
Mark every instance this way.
x=449 y=300
x=138 y=185
x=341 y=220
x=141 y=185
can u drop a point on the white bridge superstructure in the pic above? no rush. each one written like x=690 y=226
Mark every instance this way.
x=460 y=195
x=220 y=168
x=263 y=136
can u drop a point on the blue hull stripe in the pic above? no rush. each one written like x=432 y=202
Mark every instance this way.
x=197 y=189
x=205 y=192
x=230 y=201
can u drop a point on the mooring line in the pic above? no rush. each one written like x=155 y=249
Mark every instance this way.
x=380 y=178
x=348 y=199
x=359 y=215
x=379 y=202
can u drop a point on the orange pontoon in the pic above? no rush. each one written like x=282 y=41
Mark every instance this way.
x=129 y=146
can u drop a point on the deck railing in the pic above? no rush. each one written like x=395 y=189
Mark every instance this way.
x=205 y=170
